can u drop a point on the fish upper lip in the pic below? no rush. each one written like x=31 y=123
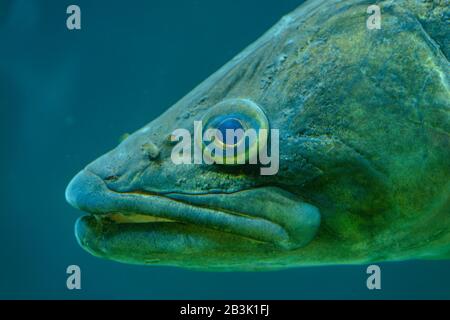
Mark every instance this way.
x=89 y=193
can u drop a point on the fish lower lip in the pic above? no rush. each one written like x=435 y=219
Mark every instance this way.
x=89 y=193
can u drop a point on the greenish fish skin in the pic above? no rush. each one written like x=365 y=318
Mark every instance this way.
x=364 y=120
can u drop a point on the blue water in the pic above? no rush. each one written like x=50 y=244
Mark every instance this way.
x=67 y=96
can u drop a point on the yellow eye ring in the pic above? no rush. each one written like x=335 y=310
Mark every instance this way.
x=239 y=114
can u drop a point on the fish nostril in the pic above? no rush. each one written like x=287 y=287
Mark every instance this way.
x=151 y=150
x=171 y=139
x=112 y=178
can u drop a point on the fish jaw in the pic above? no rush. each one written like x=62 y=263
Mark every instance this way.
x=188 y=229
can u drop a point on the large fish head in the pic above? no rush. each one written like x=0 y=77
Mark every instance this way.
x=334 y=190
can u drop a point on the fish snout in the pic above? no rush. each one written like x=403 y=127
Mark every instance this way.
x=118 y=167
x=86 y=192
x=90 y=190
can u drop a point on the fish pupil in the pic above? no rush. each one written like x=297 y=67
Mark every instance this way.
x=229 y=124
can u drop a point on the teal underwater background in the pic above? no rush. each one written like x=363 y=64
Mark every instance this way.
x=67 y=96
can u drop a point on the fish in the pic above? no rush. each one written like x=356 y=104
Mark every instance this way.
x=363 y=117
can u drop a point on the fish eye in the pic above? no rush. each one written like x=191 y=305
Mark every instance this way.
x=236 y=124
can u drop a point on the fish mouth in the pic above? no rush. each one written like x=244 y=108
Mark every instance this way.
x=176 y=222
